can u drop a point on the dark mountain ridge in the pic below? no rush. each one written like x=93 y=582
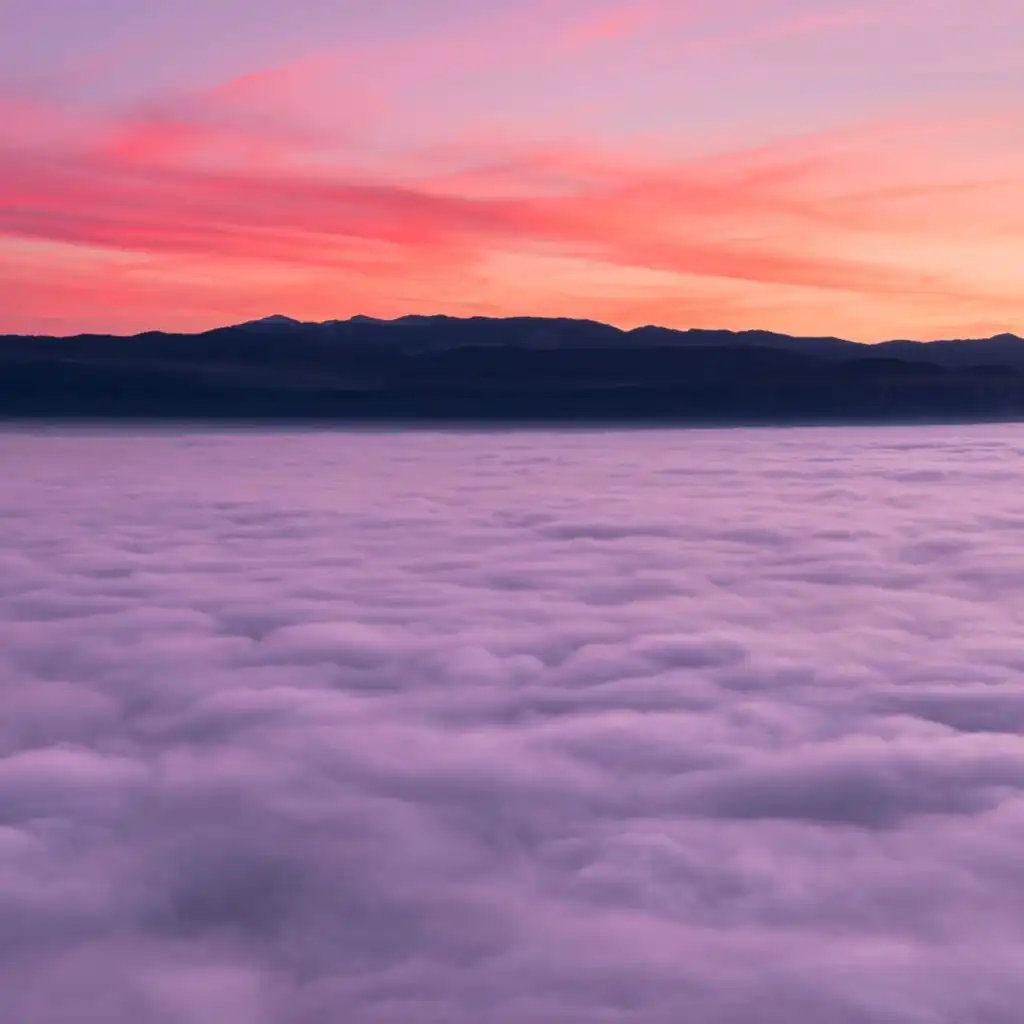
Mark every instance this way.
x=508 y=369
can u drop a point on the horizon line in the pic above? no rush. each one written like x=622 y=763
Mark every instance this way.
x=270 y=318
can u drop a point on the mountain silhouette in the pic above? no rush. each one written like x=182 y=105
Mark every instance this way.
x=513 y=369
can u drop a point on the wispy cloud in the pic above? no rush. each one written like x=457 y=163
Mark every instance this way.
x=190 y=186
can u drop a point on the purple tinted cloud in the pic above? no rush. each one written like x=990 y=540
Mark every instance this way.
x=544 y=729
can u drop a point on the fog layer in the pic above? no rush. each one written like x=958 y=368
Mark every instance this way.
x=714 y=727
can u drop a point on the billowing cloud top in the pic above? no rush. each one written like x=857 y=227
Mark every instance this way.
x=810 y=166
x=715 y=727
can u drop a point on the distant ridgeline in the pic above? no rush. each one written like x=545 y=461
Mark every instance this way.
x=519 y=369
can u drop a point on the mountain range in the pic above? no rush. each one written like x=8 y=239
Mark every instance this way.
x=516 y=369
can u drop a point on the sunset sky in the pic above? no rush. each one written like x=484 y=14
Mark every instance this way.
x=851 y=167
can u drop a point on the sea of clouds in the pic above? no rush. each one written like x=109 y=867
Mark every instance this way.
x=518 y=728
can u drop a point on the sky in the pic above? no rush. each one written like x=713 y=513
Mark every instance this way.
x=849 y=167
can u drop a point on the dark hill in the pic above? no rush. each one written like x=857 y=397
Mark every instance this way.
x=516 y=369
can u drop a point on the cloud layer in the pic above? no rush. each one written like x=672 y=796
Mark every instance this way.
x=526 y=728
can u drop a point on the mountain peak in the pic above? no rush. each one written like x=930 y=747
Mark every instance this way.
x=362 y=318
x=274 y=321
